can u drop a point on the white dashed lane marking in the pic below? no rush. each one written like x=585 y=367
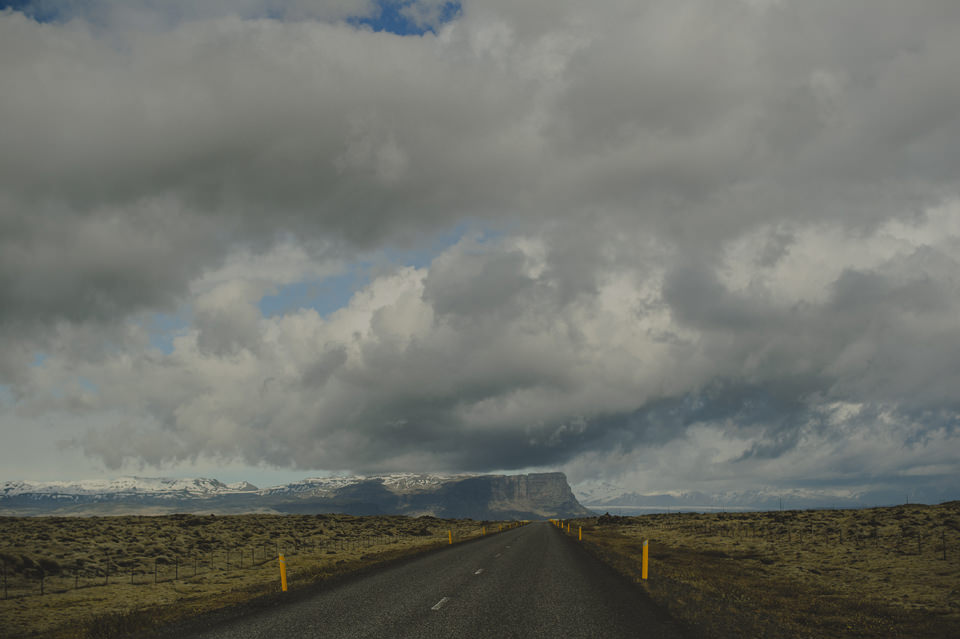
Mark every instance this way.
x=479 y=570
x=439 y=604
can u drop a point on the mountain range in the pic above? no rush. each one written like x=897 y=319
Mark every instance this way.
x=604 y=498
x=530 y=496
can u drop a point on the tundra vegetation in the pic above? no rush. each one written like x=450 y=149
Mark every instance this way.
x=878 y=572
x=102 y=577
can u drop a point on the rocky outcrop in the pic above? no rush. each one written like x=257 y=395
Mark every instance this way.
x=534 y=496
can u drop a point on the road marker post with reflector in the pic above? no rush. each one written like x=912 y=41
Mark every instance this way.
x=283 y=573
x=579 y=533
x=646 y=559
x=450 y=536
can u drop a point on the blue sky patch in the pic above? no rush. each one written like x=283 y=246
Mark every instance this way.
x=165 y=327
x=389 y=16
x=325 y=296
x=423 y=256
x=88 y=385
x=333 y=293
x=39 y=10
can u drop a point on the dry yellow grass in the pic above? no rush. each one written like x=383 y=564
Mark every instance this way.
x=162 y=568
x=880 y=572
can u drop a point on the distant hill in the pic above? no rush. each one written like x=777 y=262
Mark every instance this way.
x=532 y=496
x=606 y=499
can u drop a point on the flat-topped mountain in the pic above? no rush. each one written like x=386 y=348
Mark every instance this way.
x=532 y=496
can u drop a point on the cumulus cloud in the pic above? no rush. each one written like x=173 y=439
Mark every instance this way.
x=725 y=232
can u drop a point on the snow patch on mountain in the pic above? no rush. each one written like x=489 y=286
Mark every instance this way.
x=200 y=486
x=396 y=482
x=242 y=487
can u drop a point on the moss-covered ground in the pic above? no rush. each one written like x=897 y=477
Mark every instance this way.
x=879 y=572
x=101 y=577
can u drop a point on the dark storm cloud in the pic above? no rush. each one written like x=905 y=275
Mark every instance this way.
x=57 y=265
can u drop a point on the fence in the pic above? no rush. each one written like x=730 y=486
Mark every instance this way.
x=904 y=541
x=25 y=576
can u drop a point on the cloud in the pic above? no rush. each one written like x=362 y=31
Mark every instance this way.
x=690 y=228
x=414 y=368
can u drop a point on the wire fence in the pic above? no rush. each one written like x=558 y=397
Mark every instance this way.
x=27 y=576
x=717 y=603
x=940 y=543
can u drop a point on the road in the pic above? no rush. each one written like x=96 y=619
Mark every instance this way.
x=528 y=582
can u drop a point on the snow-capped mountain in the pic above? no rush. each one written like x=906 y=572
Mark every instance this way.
x=396 y=482
x=202 y=486
x=476 y=496
x=125 y=486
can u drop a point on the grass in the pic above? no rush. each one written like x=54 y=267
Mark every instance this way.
x=879 y=572
x=107 y=577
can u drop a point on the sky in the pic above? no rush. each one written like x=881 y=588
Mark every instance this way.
x=659 y=246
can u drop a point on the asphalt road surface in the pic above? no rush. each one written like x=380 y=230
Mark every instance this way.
x=528 y=582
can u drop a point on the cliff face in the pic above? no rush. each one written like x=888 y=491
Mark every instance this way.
x=534 y=496
x=542 y=494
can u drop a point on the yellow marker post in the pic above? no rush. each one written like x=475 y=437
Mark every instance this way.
x=450 y=536
x=579 y=533
x=283 y=574
x=483 y=531
x=646 y=559
x=568 y=526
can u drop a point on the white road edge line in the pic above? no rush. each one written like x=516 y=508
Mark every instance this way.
x=439 y=604
x=479 y=570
